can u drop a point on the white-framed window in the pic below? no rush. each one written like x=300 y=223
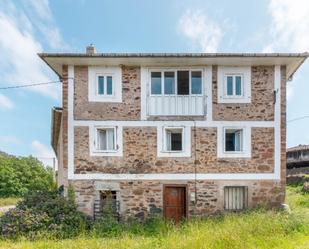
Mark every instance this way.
x=183 y=82
x=234 y=142
x=173 y=141
x=104 y=84
x=234 y=84
x=235 y=198
x=105 y=140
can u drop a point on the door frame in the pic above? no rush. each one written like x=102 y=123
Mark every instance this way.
x=185 y=186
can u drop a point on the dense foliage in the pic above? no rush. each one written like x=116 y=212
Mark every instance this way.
x=41 y=213
x=20 y=175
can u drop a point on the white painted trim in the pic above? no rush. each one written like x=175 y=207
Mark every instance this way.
x=150 y=123
x=245 y=72
x=277 y=83
x=144 y=94
x=119 y=144
x=93 y=73
x=220 y=176
x=70 y=122
x=246 y=153
x=129 y=177
x=186 y=136
x=208 y=94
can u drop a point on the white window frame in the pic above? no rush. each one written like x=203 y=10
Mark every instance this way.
x=234 y=86
x=97 y=141
x=165 y=131
x=245 y=73
x=246 y=142
x=163 y=70
x=93 y=141
x=93 y=76
x=105 y=86
x=161 y=141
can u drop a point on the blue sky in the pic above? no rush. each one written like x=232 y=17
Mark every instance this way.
x=31 y=26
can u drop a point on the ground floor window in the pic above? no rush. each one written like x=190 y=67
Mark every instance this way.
x=235 y=198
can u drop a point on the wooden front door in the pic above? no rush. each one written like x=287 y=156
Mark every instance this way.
x=174 y=198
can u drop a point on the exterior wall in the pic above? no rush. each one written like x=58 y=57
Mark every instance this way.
x=142 y=198
x=140 y=154
x=129 y=109
x=64 y=130
x=261 y=107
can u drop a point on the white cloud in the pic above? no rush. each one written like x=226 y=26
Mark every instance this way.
x=10 y=139
x=21 y=35
x=5 y=102
x=289 y=27
x=205 y=33
x=44 y=153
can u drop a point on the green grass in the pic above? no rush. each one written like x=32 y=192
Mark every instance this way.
x=8 y=201
x=254 y=229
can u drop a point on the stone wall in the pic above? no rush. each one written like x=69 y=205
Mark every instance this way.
x=140 y=154
x=261 y=107
x=129 y=109
x=142 y=198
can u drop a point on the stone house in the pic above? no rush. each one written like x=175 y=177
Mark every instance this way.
x=179 y=135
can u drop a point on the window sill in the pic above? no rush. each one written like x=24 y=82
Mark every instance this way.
x=232 y=100
x=110 y=99
x=235 y=155
x=106 y=153
x=174 y=154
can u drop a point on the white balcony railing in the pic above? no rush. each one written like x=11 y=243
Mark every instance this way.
x=176 y=105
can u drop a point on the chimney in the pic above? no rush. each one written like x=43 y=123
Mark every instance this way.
x=90 y=50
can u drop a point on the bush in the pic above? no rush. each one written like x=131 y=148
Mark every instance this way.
x=19 y=175
x=41 y=213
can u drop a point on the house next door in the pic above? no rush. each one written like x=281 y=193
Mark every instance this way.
x=174 y=202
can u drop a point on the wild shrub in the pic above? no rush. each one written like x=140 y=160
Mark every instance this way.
x=44 y=212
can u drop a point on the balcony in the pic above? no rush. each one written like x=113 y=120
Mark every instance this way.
x=176 y=105
x=175 y=92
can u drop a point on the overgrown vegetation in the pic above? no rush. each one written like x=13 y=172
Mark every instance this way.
x=41 y=214
x=8 y=201
x=253 y=229
x=20 y=175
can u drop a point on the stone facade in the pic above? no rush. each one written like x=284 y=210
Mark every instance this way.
x=141 y=198
x=140 y=154
x=129 y=109
x=261 y=107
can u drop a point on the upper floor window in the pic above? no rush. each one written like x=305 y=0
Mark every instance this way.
x=105 y=140
x=234 y=142
x=176 y=82
x=234 y=84
x=104 y=84
x=174 y=141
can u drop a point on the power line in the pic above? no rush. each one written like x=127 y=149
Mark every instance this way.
x=299 y=118
x=32 y=84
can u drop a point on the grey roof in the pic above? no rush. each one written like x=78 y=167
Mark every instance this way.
x=157 y=55
x=291 y=60
x=298 y=148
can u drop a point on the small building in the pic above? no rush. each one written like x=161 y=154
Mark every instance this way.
x=174 y=134
x=298 y=156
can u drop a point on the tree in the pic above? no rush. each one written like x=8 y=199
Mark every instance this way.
x=19 y=175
